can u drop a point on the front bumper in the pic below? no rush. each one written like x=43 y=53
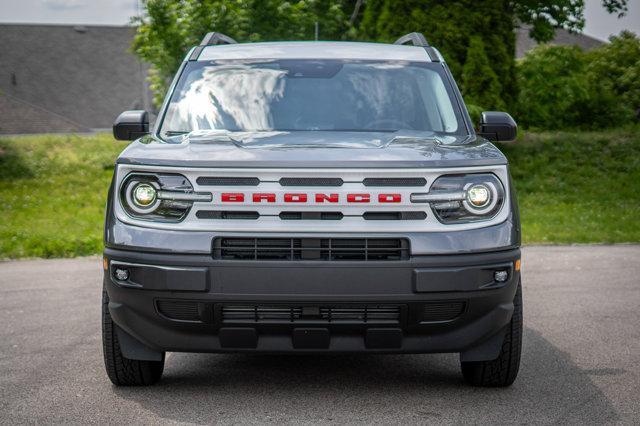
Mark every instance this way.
x=428 y=304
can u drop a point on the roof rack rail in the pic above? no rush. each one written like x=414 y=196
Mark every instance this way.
x=211 y=39
x=418 y=39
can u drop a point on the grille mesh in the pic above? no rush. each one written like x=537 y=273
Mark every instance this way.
x=227 y=181
x=443 y=311
x=311 y=216
x=327 y=249
x=345 y=314
x=394 y=182
x=179 y=310
x=394 y=215
x=226 y=214
x=302 y=181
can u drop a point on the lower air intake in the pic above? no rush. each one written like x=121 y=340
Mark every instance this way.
x=327 y=249
x=179 y=310
x=443 y=311
x=338 y=314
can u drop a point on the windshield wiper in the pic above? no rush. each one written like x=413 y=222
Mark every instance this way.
x=176 y=132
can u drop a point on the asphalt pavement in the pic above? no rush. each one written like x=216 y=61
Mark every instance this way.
x=580 y=361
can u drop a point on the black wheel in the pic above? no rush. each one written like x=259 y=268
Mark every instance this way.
x=123 y=371
x=503 y=370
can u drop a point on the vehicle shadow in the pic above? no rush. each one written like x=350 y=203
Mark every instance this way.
x=244 y=388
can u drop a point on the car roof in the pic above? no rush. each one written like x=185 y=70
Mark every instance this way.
x=315 y=50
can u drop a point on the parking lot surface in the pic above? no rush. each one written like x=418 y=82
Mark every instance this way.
x=580 y=361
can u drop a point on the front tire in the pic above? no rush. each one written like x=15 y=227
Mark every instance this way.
x=123 y=371
x=502 y=371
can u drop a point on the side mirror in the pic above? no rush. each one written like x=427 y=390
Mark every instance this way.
x=130 y=125
x=498 y=126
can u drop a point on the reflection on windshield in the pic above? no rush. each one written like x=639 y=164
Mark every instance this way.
x=227 y=97
x=310 y=95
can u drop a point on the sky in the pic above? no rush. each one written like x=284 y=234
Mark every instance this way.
x=599 y=23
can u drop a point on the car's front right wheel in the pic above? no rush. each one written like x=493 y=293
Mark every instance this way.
x=123 y=371
x=503 y=370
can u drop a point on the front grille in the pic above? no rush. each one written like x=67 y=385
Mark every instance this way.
x=227 y=181
x=394 y=216
x=311 y=216
x=302 y=181
x=338 y=314
x=443 y=311
x=394 y=182
x=327 y=249
x=226 y=214
x=179 y=310
x=308 y=215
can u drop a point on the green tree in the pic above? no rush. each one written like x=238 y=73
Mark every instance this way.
x=480 y=85
x=558 y=91
x=616 y=67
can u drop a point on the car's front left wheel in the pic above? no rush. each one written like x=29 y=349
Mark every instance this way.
x=123 y=371
x=503 y=370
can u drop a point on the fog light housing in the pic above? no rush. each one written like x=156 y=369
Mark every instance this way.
x=121 y=274
x=500 y=276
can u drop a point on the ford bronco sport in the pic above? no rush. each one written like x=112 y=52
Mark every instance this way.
x=312 y=197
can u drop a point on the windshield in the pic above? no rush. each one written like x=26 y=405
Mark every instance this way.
x=312 y=95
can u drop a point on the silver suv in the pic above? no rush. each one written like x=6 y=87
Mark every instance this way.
x=312 y=197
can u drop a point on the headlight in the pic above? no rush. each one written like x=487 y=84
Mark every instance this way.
x=466 y=198
x=144 y=194
x=478 y=196
x=159 y=197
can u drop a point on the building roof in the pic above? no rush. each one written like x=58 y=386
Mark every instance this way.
x=315 y=50
x=60 y=78
x=524 y=43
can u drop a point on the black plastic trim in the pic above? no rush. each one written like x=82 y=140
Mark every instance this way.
x=414 y=38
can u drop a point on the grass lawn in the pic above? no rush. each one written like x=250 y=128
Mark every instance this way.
x=572 y=187
x=53 y=192
x=578 y=187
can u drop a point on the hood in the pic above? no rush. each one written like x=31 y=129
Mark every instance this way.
x=320 y=149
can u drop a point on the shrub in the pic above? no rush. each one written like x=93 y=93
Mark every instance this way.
x=557 y=90
x=616 y=66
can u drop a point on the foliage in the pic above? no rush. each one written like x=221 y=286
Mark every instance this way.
x=564 y=87
x=555 y=91
x=572 y=188
x=480 y=85
x=616 y=66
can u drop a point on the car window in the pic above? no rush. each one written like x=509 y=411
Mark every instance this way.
x=307 y=95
